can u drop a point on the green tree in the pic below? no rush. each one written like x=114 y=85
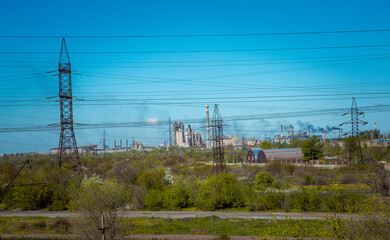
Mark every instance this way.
x=295 y=143
x=96 y=198
x=219 y=192
x=267 y=145
x=312 y=149
x=263 y=180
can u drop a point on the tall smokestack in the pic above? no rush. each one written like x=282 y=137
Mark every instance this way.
x=290 y=130
x=208 y=127
x=375 y=126
x=308 y=130
x=281 y=130
x=324 y=136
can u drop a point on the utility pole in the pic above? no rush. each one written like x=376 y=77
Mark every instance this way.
x=67 y=149
x=355 y=131
x=219 y=165
x=102 y=228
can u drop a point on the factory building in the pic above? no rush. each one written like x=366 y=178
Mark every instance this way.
x=233 y=140
x=187 y=138
x=286 y=155
x=291 y=135
x=178 y=134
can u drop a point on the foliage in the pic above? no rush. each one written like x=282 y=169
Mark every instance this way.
x=219 y=192
x=380 y=181
x=96 y=198
x=290 y=168
x=26 y=196
x=152 y=179
x=263 y=180
x=179 y=196
x=155 y=199
x=311 y=149
x=267 y=145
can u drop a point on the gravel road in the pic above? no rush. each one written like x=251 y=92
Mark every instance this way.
x=187 y=214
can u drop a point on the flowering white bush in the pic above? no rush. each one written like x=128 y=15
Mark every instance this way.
x=169 y=176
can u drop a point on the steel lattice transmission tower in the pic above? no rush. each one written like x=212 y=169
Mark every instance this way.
x=219 y=165
x=68 y=155
x=355 y=133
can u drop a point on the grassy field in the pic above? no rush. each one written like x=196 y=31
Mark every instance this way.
x=186 y=226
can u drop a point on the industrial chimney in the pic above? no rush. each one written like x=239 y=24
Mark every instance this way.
x=208 y=127
x=281 y=130
x=308 y=130
x=375 y=126
x=290 y=131
x=324 y=136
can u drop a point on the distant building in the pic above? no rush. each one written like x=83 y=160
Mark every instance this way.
x=178 y=134
x=233 y=140
x=187 y=138
x=137 y=145
x=291 y=135
x=286 y=155
x=80 y=149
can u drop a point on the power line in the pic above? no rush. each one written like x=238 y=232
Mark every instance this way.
x=213 y=50
x=212 y=61
x=202 y=35
x=309 y=113
x=205 y=65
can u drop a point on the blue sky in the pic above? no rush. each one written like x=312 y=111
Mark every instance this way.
x=140 y=87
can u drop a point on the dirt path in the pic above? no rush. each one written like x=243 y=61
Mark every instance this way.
x=187 y=214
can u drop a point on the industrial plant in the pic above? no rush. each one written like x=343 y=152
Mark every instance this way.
x=187 y=137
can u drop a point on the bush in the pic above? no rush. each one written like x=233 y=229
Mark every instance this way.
x=61 y=225
x=97 y=198
x=178 y=197
x=305 y=200
x=27 y=197
x=152 y=179
x=263 y=180
x=219 y=192
x=155 y=199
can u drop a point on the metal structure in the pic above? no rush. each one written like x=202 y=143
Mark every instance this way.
x=219 y=165
x=208 y=143
x=68 y=155
x=355 y=133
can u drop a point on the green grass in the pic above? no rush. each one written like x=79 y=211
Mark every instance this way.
x=230 y=227
x=188 y=226
x=44 y=225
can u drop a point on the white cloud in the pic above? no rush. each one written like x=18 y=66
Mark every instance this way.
x=152 y=120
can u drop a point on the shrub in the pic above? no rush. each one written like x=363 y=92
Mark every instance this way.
x=155 y=199
x=151 y=179
x=61 y=225
x=97 y=198
x=178 y=197
x=219 y=192
x=32 y=197
x=275 y=168
x=263 y=180
x=308 y=180
x=290 y=168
